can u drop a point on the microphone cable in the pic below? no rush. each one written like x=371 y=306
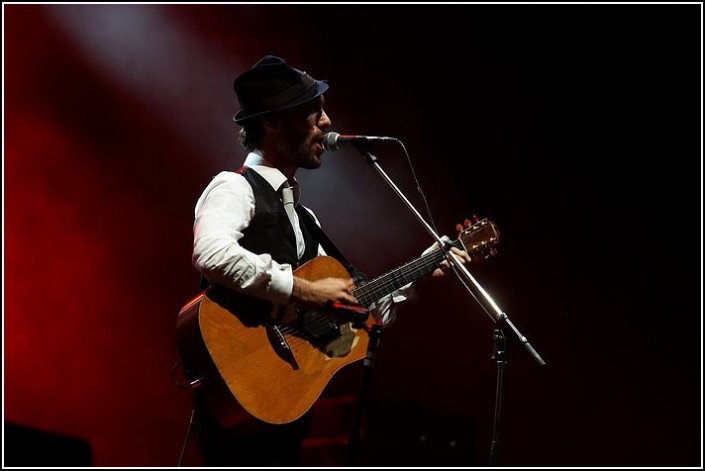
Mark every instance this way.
x=418 y=187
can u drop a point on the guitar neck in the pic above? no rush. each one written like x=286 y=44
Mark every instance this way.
x=401 y=276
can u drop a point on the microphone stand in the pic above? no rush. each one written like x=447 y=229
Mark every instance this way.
x=374 y=332
x=503 y=325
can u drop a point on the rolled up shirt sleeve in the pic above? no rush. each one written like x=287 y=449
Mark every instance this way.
x=385 y=309
x=222 y=213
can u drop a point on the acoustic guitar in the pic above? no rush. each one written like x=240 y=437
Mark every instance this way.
x=275 y=360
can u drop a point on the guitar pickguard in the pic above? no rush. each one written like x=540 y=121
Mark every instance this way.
x=332 y=336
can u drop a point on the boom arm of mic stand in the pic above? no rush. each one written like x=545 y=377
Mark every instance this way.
x=460 y=267
x=500 y=316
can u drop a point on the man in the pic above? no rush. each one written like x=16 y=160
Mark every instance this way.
x=250 y=234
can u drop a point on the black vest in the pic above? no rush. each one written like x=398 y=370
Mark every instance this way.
x=270 y=230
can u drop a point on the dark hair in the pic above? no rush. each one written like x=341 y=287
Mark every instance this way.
x=250 y=135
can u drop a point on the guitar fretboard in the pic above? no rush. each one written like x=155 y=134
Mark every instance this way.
x=401 y=276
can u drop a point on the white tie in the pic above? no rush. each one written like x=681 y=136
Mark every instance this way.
x=288 y=200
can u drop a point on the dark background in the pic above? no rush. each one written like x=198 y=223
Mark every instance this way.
x=576 y=128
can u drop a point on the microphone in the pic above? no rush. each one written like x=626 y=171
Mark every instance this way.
x=334 y=141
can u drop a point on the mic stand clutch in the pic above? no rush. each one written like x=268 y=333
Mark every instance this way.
x=482 y=297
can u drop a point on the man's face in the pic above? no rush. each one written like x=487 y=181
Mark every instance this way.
x=301 y=135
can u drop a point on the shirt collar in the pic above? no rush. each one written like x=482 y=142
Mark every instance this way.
x=270 y=173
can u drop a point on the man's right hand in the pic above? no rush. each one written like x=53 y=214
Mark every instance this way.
x=321 y=292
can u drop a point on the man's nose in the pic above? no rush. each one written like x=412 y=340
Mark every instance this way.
x=325 y=121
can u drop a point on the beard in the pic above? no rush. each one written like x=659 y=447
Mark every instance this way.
x=304 y=155
x=308 y=159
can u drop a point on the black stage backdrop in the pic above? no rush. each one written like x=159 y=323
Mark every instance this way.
x=576 y=128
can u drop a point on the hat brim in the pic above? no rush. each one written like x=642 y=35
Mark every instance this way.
x=320 y=89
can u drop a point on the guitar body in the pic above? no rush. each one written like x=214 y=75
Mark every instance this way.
x=235 y=344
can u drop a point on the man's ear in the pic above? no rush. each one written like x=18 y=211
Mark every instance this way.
x=272 y=122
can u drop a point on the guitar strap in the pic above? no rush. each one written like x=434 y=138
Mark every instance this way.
x=331 y=249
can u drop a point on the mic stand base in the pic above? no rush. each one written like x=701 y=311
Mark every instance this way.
x=500 y=349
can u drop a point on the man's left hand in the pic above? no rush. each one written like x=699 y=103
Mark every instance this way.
x=444 y=266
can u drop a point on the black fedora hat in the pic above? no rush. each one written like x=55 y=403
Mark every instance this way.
x=272 y=85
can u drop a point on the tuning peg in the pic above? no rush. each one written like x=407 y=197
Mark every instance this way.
x=459 y=227
x=467 y=223
x=475 y=218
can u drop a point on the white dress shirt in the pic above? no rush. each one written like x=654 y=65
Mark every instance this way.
x=222 y=213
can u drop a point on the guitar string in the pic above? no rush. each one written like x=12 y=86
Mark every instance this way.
x=390 y=284
x=389 y=281
x=426 y=263
x=434 y=257
x=398 y=277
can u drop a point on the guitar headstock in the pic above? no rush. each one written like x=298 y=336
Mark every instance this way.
x=479 y=238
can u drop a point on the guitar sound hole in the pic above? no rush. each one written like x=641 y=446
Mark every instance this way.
x=319 y=329
x=330 y=334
